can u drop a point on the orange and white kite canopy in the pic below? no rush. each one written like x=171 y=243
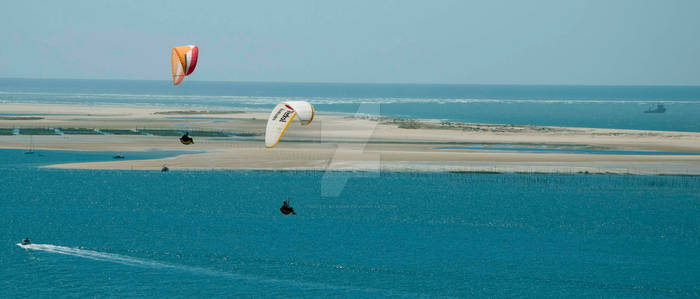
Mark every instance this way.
x=184 y=60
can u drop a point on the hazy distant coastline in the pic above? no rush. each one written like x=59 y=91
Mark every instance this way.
x=613 y=107
x=233 y=140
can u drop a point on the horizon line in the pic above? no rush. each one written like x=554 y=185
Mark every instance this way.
x=368 y=83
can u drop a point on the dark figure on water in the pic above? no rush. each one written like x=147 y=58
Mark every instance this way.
x=26 y=241
x=286 y=208
x=186 y=139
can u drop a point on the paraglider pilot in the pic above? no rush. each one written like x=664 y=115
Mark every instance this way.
x=186 y=139
x=286 y=208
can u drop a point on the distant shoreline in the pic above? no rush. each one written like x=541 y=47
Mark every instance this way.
x=341 y=142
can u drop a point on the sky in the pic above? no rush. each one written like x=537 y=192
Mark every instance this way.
x=585 y=42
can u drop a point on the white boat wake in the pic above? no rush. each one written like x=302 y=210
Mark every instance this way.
x=121 y=259
x=145 y=263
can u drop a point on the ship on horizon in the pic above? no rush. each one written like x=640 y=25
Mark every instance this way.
x=659 y=109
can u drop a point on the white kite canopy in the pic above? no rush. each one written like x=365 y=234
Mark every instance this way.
x=281 y=117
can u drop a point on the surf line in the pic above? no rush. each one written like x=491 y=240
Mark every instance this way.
x=145 y=263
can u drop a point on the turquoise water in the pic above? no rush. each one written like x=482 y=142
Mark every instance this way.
x=564 y=149
x=576 y=106
x=220 y=234
x=18 y=159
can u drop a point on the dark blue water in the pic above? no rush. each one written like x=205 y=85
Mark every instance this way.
x=576 y=106
x=220 y=234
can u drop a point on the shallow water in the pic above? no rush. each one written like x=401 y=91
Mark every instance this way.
x=220 y=233
x=564 y=149
x=12 y=159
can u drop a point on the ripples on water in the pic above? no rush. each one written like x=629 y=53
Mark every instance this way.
x=220 y=233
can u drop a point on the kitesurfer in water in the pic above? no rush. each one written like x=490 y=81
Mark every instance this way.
x=286 y=208
x=186 y=139
x=26 y=241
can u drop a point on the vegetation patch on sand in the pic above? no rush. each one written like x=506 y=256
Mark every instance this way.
x=79 y=131
x=4 y=131
x=165 y=132
x=197 y=112
x=37 y=131
x=407 y=123
x=119 y=132
x=177 y=132
x=153 y=132
x=20 y=118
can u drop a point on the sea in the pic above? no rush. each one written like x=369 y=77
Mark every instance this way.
x=135 y=234
x=618 y=107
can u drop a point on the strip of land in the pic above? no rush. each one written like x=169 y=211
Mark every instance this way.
x=230 y=139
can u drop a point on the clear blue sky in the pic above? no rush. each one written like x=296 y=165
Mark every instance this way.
x=464 y=42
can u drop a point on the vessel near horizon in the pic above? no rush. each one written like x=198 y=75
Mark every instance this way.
x=660 y=108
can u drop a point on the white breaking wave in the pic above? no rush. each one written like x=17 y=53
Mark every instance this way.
x=146 y=263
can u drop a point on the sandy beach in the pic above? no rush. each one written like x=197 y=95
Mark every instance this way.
x=342 y=142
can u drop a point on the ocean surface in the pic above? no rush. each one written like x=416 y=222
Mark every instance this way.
x=576 y=106
x=220 y=233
